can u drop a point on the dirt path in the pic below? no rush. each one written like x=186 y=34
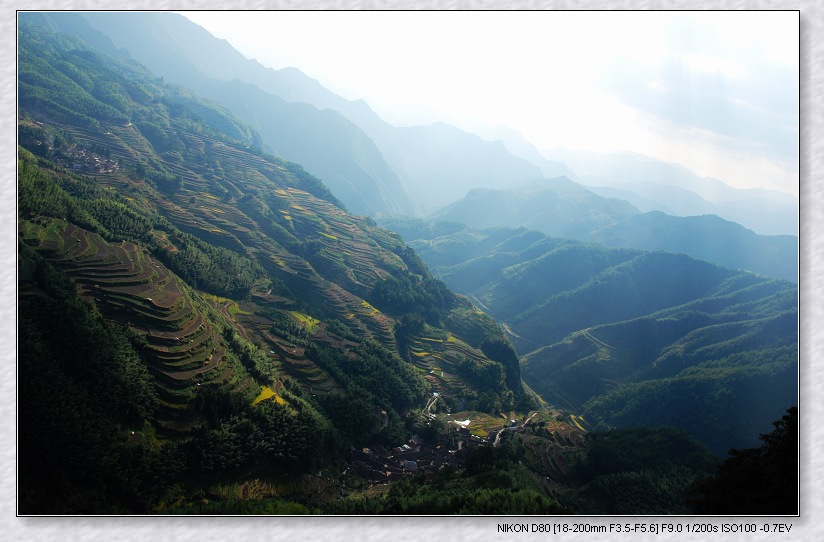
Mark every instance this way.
x=597 y=341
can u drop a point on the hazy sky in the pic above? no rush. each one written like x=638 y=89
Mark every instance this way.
x=714 y=91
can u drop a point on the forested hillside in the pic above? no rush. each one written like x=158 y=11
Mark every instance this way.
x=628 y=337
x=374 y=167
x=204 y=328
x=263 y=329
x=322 y=141
x=561 y=208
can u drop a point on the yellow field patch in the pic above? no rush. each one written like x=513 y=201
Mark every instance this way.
x=372 y=310
x=268 y=393
x=214 y=298
x=234 y=310
x=311 y=324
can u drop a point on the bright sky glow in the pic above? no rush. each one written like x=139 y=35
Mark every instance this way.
x=714 y=91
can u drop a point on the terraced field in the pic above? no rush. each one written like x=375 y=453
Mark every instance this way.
x=184 y=348
x=267 y=218
x=552 y=445
x=230 y=197
x=437 y=356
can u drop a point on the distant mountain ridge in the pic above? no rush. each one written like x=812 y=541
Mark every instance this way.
x=181 y=52
x=709 y=238
x=556 y=206
x=201 y=309
x=204 y=327
x=427 y=166
x=627 y=336
x=674 y=189
x=379 y=168
x=561 y=208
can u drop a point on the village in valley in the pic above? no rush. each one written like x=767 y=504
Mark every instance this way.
x=420 y=458
x=86 y=161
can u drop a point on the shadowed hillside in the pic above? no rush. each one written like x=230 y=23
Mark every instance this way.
x=204 y=327
x=561 y=208
x=272 y=324
x=630 y=337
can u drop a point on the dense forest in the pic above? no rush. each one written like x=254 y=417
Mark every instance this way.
x=204 y=328
x=627 y=337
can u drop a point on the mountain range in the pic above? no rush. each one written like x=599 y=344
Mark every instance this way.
x=611 y=331
x=233 y=275
x=210 y=321
x=562 y=208
x=375 y=173
x=654 y=185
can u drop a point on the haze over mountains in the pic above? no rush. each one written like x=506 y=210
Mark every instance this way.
x=595 y=322
x=181 y=286
x=264 y=260
x=655 y=185
x=388 y=181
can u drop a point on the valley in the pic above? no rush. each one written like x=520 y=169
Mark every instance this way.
x=592 y=323
x=224 y=309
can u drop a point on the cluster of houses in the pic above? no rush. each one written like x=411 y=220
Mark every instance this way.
x=415 y=458
x=87 y=161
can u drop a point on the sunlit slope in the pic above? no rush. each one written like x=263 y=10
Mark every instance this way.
x=192 y=186
x=183 y=348
x=320 y=139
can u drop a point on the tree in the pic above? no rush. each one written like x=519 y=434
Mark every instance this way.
x=762 y=481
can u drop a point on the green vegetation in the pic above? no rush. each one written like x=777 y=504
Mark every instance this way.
x=44 y=192
x=721 y=402
x=633 y=338
x=82 y=391
x=492 y=482
x=402 y=295
x=761 y=480
x=580 y=214
x=642 y=470
x=204 y=329
x=212 y=271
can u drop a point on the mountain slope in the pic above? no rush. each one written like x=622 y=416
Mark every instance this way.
x=709 y=238
x=275 y=328
x=676 y=190
x=247 y=203
x=443 y=163
x=520 y=147
x=181 y=52
x=630 y=337
x=559 y=207
x=432 y=165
